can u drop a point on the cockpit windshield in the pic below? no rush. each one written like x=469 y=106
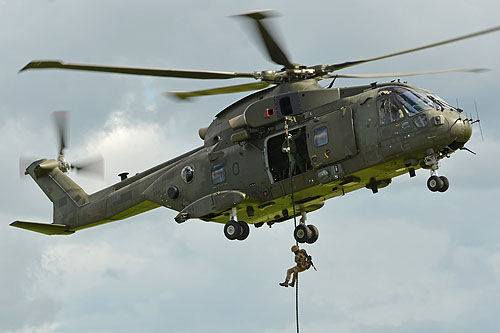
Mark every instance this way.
x=395 y=102
x=439 y=103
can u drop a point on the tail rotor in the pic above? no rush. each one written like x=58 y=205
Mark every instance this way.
x=90 y=166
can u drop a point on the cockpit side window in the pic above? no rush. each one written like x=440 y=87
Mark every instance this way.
x=389 y=111
x=395 y=102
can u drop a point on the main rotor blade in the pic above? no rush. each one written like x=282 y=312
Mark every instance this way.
x=401 y=74
x=61 y=119
x=219 y=91
x=186 y=74
x=335 y=67
x=275 y=52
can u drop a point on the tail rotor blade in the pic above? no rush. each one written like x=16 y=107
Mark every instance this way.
x=61 y=119
x=24 y=163
x=93 y=166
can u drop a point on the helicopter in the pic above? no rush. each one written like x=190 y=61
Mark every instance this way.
x=274 y=155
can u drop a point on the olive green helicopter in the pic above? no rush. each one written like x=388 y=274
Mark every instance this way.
x=274 y=155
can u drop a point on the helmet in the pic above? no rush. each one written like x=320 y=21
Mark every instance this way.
x=295 y=248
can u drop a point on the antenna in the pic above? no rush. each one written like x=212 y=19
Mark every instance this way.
x=478 y=121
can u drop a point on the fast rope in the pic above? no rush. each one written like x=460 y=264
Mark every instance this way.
x=290 y=174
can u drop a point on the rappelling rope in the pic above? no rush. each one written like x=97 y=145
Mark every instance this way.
x=290 y=174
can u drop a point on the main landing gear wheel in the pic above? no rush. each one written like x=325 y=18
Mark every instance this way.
x=302 y=233
x=306 y=233
x=434 y=183
x=236 y=230
x=244 y=231
x=232 y=230
x=446 y=184
x=314 y=234
x=438 y=183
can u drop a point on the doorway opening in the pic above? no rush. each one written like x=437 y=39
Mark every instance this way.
x=279 y=165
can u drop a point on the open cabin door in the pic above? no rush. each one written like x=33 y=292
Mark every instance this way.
x=278 y=164
x=331 y=137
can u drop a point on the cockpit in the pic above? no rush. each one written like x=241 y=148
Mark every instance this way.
x=396 y=103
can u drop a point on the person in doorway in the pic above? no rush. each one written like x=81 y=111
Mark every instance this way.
x=294 y=159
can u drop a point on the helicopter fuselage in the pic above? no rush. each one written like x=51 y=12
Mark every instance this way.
x=339 y=139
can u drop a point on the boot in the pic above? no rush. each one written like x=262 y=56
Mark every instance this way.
x=292 y=284
x=284 y=284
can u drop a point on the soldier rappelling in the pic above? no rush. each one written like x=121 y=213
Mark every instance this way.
x=304 y=262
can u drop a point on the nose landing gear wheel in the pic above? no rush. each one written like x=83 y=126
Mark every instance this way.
x=232 y=230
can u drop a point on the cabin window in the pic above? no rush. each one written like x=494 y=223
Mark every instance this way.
x=187 y=174
x=218 y=174
x=320 y=136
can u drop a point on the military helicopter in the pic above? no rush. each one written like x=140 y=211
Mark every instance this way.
x=276 y=154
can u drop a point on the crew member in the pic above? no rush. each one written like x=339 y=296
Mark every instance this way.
x=290 y=145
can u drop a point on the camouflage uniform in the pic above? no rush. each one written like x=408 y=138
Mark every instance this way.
x=301 y=258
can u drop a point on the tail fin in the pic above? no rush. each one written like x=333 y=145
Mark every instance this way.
x=64 y=193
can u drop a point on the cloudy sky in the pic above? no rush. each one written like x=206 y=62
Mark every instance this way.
x=404 y=260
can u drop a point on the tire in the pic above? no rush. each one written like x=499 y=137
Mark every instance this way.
x=232 y=230
x=302 y=233
x=446 y=184
x=434 y=183
x=314 y=234
x=244 y=231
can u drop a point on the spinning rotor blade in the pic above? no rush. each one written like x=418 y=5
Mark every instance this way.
x=180 y=73
x=401 y=74
x=335 y=67
x=24 y=163
x=218 y=91
x=93 y=166
x=60 y=118
x=275 y=52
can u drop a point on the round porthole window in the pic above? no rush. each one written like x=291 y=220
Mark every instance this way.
x=187 y=174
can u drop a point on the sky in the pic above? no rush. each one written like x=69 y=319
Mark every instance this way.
x=403 y=260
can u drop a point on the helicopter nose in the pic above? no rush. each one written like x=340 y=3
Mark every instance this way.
x=467 y=130
x=460 y=129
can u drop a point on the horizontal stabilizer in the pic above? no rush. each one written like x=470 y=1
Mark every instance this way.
x=44 y=228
